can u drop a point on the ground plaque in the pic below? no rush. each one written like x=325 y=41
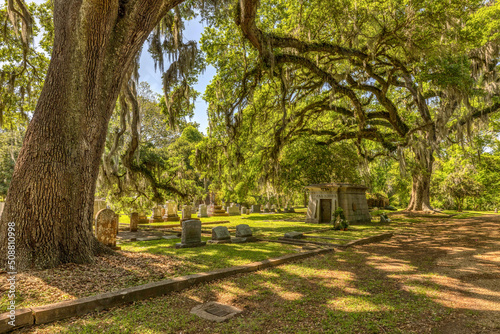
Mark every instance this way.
x=215 y=311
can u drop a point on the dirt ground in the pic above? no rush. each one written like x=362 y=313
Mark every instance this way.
x=463 y=256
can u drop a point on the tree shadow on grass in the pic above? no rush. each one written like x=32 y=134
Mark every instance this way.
x=421 y=282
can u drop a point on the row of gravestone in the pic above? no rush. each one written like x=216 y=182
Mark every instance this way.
x=106 y=229
x=191 y=235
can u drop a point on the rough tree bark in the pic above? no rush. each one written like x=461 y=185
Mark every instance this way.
x=50 y=199
x=421 y=177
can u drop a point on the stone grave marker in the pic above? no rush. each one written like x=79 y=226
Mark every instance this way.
x=191 y=235
x=243 y=234
x=187 y=213
x=171 y=212
x=244 y=210
x=233 y=210
x=106 y=227
x=134 y=220
x=2 y=204
x=255 y=209
x=214 y=311
x=156 y=216
x=143 y=219
x=202 y=211
x=294 y=235
x=220 y=234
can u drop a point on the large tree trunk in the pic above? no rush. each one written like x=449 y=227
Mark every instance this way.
x=50 y=199
x=420 y=192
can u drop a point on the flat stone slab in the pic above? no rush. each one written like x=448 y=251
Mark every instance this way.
x=169 y=237
x=294 y=235
x=214 y=311
x=148 y=238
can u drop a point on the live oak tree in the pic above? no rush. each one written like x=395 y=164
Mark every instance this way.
x=402 y=74
x=50 y=198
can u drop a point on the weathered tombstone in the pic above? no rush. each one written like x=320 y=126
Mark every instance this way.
x=156 y=216
x=2 y=204
x=255 y=209
x=243 y=234
x=233 y=210
x=143 y=219
x=244 y=210
x=191 y=235
x=202 y=211
x=220 y=234
x=134 y=220
x=106 y=227
x=171 y=212
x=218 y=210
x=496 y=210
x=187 y=212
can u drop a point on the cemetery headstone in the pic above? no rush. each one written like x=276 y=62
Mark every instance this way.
x=219 y=211
x=156 y=216
x=191 y=234
x=244 y=210
x=171 y=212
x=2 y=204
x=220 y=234
x=243 y=234
x=255 y=209
x=142 y=218
x=106 y=227
x=202 y=211
x=187 y=213
x=233 y=210
x=134 y=221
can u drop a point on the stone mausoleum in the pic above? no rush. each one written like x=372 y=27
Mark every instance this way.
x=325 y=198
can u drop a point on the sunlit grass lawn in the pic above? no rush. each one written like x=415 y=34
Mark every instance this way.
x=334 y=293
x=211 y=256
x=274 y=226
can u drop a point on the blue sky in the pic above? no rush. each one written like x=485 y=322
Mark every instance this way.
x=147 y=72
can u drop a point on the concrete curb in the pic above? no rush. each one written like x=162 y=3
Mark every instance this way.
x=71 y=308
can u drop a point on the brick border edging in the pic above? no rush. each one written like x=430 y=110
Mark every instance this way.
x=67 y=309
